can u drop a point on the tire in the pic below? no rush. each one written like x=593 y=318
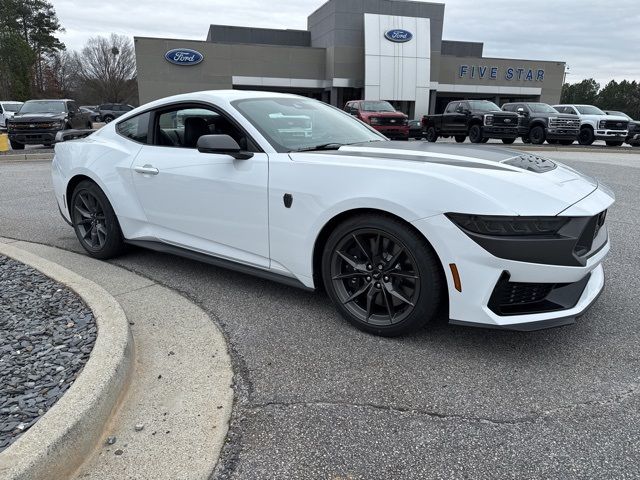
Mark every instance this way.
x=537 y=135
x=431 y=135
x=396 y=303
x=16 y=146
x=586 y=136
x=508 y=141
x=526 y=140
x=475 y=133
x=484 y=140
x=108 y=118
x=566 y=142
x=460 y=138
x=614 y=144
x=95 y=222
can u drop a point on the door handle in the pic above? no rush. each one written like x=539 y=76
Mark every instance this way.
x=147 y=169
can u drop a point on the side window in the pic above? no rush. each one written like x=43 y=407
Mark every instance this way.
x=182 y=127
x=135 y=128
x=508 y=107
x=451 y=108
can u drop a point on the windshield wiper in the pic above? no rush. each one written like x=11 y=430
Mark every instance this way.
x=324 y=146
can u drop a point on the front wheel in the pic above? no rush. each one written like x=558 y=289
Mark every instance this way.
x=383 y=277
x=95 y=222
x=586 y=136
x=508 y=141
x=614 y=144
x=537 y=135
x=461 y=138
x=432 y=135
x=475 y=134
x=16 y=145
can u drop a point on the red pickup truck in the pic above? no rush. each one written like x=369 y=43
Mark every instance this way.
x=382 y=116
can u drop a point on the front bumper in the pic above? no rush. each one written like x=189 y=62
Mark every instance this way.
x=491 y=131
x=480 y=273
x=401 y=131
x=562 y=133
x=35 y=137
x=611 y=135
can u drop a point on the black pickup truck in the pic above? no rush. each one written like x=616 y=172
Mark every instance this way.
x=540 y=122
x=480 y=120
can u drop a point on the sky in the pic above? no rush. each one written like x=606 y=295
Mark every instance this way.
x=596 y=38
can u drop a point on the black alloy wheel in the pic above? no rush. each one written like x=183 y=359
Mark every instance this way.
x=508 y=141
x=537 y=135
x=382 y=282
x=460 y=138
x=475 y=134
x=95 y=222
x=586 y=136
x=432 y=135
x=108 y=118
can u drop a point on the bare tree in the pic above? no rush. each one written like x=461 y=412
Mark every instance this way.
x=108 y=66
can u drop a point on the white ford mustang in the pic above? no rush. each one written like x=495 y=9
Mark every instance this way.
x=292 y=189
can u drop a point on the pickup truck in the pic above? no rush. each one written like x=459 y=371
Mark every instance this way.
x=381 y=116
x=540 y=122
x=633 y=135
x=597 y=125
x=480 y=120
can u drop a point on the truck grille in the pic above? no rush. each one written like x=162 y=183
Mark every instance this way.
x=616 y=125
x=393 y=121
x=564 y=123
x=505 y=121
x=34 y=126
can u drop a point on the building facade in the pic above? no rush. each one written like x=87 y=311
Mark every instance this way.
x=352 y=49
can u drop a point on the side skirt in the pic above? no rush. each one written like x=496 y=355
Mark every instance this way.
x=220 y=262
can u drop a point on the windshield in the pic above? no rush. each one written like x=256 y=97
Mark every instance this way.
x=541 y=108
x=292 y=124
x=483 y=106
x=377 y=107
x=11 y=107
x=589 y=110
x=43 y=107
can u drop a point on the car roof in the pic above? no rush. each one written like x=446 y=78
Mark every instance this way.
x=10 y=101
x=51 y=100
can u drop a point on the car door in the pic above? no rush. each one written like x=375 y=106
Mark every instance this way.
x=524 y=114
x=76 y=118
x=208 y=202
x=449 y=116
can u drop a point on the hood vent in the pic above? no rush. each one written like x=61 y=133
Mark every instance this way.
x=531 y=163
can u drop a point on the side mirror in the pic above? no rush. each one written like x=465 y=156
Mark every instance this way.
x=521 y=111
x=223 y=145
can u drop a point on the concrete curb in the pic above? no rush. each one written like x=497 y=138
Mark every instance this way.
x=60 y=441
x=13 y=157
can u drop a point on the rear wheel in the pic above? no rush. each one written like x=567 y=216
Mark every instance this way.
x=108 y=118
x=16 y=145
x=95 y=222
x=586 y=136
x=461 y=138
x=475 y=134
x=432 y=135
x=508 y=141
x=614 y=144
x=383 y=276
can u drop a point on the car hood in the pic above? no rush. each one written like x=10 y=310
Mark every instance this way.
x=38 y=117
x=511 y=181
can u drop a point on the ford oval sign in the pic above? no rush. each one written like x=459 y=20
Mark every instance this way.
x=183 y=56
x=398 y=36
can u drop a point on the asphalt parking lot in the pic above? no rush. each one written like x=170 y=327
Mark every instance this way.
x=316 y=398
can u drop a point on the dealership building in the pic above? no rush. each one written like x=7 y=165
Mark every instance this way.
x=352 y=49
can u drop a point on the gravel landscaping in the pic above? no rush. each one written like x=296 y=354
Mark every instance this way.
x=46 y=336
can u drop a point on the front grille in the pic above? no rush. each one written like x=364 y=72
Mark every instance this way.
x=34 y=126
x=564 y=123
x=520 y=298
x=616 y=125
x=506 y=121
x=389 y=121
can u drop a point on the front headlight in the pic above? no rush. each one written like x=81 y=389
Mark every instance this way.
x=488 y=119
x=508 y=226
x=374 y=121
x=602 y=124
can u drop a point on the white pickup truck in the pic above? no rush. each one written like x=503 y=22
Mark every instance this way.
x=597 y=125
x=7 y=109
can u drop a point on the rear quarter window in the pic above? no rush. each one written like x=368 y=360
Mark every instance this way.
x=135 y=128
